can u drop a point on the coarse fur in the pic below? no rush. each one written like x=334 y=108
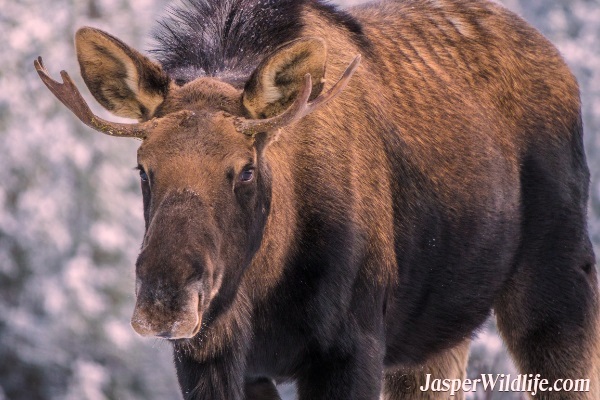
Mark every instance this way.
x=227 y=38
x=359 y=248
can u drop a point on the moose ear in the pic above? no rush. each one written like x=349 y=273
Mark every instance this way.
x=124 y=81
x=279 y=78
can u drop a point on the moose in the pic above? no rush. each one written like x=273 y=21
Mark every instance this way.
x=351 y=235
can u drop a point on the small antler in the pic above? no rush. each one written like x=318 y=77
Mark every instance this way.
x=300 y=107
x=68 y=94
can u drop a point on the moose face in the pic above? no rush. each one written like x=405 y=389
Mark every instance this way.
x=204 y=178
x=206 y=197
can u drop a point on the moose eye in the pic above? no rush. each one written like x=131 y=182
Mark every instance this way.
x=143 y=176
x=247 y=175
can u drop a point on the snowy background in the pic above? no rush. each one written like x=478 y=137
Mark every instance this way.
x=71 y=212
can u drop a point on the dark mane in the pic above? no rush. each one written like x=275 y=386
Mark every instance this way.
x=227 y=38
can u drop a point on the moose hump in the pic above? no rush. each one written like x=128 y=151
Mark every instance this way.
x=227 y=38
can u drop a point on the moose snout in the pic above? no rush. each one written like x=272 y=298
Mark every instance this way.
x=168 y=319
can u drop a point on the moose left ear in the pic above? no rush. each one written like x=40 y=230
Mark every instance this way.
x=279 y=78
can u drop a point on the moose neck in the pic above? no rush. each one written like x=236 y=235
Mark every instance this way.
x=299 y=161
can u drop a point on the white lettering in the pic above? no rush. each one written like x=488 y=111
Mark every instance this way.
x=456 y=384
x=427 y=379
x=488 y=382
x=524 y=383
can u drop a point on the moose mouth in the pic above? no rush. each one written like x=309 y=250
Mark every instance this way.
x=169 y=336
x=152 y=319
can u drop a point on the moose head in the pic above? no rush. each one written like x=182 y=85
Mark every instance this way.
x=204 y=175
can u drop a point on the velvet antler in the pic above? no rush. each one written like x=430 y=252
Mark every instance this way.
x=300 y=107
x=69 y=95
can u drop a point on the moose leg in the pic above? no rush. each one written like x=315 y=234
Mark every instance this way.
x=349 y=370
x=551 y=327
x=261 y=389
x=405 y=383
x=548 y=313
x=219 y=378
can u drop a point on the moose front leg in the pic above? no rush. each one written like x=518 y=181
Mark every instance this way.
x=261 y=389
x=349 y=370
x=219 y=377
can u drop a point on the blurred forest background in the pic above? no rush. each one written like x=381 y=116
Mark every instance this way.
x=71 y=210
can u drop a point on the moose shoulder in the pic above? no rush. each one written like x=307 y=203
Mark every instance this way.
x=352 y=235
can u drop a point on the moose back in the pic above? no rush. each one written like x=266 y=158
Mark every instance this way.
x=351 y=235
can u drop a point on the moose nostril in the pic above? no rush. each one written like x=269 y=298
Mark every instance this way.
x=164 y=335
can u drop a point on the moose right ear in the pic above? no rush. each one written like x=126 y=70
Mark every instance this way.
x=124 y=81
x=279 y=78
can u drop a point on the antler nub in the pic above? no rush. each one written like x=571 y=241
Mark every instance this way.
x=300 y=107
x=70 y=96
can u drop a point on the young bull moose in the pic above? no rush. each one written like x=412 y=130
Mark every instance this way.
x=352 y=236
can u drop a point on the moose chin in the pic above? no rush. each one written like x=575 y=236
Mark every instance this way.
x=341 y=198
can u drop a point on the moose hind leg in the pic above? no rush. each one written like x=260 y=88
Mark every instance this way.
x=548 y=312
x=405 y=383
x=550 y=326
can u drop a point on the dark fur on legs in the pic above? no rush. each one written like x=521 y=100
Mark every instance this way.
x=551 y=325
x=261 y=389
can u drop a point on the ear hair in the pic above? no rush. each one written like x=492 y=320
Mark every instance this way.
x=124 y=81
x=279 y=77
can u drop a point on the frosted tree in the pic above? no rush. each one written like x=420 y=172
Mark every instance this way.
x=71 y=222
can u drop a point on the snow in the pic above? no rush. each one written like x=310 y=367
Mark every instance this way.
x=88 y=382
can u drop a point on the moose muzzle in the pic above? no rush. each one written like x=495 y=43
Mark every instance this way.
x=166 y=314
